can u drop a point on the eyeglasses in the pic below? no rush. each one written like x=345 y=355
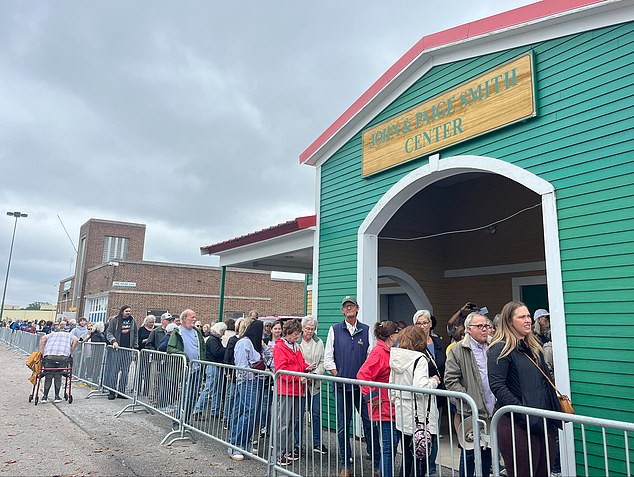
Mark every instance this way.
x=482 y=327
x=423 y=323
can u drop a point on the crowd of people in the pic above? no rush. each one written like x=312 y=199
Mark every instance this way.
x=497 y=362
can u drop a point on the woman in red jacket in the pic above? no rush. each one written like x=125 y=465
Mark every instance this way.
x=377 y=368
x=290 y=389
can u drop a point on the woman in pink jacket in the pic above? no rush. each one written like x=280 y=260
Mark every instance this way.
x=287 y=356
x=381 y=410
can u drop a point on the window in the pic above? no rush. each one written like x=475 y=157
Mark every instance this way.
x=157 y=314
x=234 y=315
x=115 y=248
x=97 y=309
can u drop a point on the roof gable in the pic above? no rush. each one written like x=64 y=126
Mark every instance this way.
x=382 y=91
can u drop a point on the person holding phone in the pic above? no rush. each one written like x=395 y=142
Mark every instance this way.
x=457 y=319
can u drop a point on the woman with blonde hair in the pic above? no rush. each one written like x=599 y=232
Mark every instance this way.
x=413 y=365
x=515 y=366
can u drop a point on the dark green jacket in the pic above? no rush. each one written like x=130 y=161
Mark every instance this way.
x=176 y=346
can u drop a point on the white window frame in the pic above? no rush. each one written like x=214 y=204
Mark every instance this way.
x=96 y=309
x=115 y=248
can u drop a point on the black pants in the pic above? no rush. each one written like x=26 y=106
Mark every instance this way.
x=54 y=361
x=411 y=460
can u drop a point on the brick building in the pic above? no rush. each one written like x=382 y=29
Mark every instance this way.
x=110 y=272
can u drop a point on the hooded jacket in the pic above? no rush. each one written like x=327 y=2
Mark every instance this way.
x=403 y=373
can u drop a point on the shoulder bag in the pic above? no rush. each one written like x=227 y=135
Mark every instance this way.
x=564 y=401
x=422 y=436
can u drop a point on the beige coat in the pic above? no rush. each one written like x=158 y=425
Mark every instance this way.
x=462 y=375
x=401 y=365
x=313 y=352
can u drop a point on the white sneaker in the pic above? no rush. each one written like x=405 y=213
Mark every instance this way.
x=237 y=456
x=58 y=399
x=44 y=400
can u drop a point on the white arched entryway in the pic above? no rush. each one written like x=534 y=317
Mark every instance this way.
x=435 y=170
x=409 y=285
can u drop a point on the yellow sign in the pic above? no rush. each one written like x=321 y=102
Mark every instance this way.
x=499 y=97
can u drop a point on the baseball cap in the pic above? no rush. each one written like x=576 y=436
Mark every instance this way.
x=539 y=313
x=349 y=299
x=167 y=316
x=171 y=327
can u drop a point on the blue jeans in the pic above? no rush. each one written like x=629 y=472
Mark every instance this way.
x=190 y=394
x=267 y=399
x=486 y=462
x=390 y=437
x=213 y=389
x=247 y=400
x=314 y=402
x=346 y=396
x=230 y=398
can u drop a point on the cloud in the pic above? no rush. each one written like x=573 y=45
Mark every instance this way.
x=188 y=117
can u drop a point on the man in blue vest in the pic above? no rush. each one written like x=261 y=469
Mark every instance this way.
x=347 y=348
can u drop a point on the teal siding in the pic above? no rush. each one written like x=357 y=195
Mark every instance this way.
x=582 y=142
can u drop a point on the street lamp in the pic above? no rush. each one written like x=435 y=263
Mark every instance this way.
x=17 y=215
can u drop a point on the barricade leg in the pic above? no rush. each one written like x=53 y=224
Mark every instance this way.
x=188 y=395
x=141 y=368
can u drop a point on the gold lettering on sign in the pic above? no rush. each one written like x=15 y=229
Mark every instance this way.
x=497 y=98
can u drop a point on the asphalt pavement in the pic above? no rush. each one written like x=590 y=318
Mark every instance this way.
x=85 y=437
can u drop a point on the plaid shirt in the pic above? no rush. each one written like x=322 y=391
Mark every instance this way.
x=58 y=344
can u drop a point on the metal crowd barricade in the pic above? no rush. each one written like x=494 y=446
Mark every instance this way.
x=603 y=446
x=307 y=430
x=160 y=382
x=229 y=405
x=89 y=362
x=21 y=340
x=120 y=373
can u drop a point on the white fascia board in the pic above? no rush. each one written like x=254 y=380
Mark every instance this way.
x=298 y=240
x=590 y=17
x=315 y=285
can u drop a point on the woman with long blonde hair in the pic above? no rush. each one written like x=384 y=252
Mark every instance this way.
x=514 y=356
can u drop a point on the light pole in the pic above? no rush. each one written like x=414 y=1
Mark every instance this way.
x=17 y=215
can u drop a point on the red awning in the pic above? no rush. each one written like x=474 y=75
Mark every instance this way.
x=300 y=223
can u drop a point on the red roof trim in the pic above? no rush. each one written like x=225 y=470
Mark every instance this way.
x=299 y=223
x=490 y=24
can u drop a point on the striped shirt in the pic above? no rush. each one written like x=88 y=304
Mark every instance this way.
x=58 y=344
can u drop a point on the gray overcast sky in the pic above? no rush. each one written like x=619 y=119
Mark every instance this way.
x=185 y=116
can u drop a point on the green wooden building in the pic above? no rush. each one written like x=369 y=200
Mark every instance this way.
x=493 y=161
